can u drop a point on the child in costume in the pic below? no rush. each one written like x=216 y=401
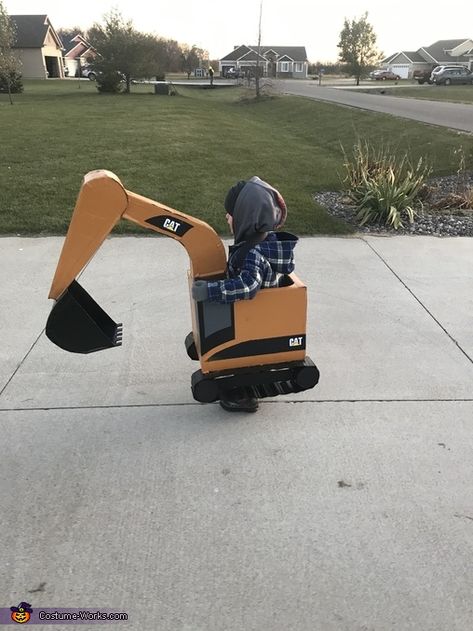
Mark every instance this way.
x=259 y=258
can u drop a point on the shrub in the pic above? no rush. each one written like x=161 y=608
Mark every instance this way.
x=16 y=84
x=461 y=200
x=386 y=188
x=109 y=81
x=458 y=193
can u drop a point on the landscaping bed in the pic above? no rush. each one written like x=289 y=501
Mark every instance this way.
x=432 y=219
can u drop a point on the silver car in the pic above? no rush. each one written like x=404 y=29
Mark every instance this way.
x=448 y=75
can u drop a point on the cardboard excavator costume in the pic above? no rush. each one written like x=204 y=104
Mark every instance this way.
x=257 y=344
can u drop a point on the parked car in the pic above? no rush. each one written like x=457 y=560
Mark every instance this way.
x=423 y=76
x=88 y=73
x=448 y=76
x=383 y=75
x=232 y=73
x=438 y=69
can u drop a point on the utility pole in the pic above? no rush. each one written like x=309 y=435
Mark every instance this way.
x=258 y=51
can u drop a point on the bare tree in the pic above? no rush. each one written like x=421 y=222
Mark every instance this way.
x=257 y=73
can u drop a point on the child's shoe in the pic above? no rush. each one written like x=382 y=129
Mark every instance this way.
x=239 y=401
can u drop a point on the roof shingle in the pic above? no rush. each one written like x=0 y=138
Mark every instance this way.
x=30 y=30
x=297 y=53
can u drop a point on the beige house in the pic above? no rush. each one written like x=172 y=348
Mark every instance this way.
x=284 y=62
x=38 y=47
x=77 y=54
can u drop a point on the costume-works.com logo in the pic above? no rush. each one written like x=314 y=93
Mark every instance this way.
x=22 y=613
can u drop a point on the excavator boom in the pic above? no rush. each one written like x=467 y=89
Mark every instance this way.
x=76 y=322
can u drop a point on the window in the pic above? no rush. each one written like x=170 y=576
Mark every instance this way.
x=298 y=67
x=284 y=66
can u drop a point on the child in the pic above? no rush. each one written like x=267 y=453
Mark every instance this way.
x=257 y=260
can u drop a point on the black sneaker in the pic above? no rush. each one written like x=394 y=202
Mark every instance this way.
x=239 y=401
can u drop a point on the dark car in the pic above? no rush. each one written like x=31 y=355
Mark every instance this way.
x=423 y=76
x=384 y=75
x=449 y=76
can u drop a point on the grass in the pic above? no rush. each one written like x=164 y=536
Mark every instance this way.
x=451 y=93
x=186 y=151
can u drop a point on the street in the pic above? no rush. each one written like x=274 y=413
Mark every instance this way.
x=457 y=116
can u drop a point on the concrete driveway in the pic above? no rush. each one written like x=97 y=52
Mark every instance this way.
x=453 y=115
x=347 y=507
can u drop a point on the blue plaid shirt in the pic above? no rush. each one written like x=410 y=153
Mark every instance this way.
x=263 y=266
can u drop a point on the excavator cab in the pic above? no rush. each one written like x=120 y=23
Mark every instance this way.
x=238 y=345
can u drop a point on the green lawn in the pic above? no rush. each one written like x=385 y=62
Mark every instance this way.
x=185 y=151
x=452 y=93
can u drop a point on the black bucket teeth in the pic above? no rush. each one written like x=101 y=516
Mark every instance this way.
x=117 y=338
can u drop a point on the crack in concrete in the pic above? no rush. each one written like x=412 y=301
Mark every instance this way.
x=462 y=350
x=22 y=361
x=194 y=404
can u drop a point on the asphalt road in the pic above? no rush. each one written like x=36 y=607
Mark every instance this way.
x=348 y=507
x=457 y=116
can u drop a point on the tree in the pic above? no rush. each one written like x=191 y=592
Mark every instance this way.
x=67 y=34
x=191 y=58
x=258 y=50
x=122 y=52
x=171 y=55
x=9 y=64
x=358 y=46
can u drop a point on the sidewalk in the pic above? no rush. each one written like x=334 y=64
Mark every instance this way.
x=345 y=507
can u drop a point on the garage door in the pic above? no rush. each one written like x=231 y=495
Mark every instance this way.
x=401 y=69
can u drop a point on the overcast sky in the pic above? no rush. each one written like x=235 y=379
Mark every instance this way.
x=404 y=25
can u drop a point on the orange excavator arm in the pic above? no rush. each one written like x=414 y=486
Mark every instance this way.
x=76 y=322
x=103 y=202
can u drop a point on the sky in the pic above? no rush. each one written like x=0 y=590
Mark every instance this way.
x=214 y=26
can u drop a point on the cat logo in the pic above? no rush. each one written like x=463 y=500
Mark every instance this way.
x=171 y=225
x=295 y=341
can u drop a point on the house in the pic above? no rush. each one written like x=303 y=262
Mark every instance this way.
x=77 y=54
x=38 y=47
x=445 y=51
x=284 y=62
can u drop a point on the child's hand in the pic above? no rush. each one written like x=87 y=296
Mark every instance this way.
x=200 y=290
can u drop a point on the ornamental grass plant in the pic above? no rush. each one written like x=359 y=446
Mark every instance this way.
x=385 y=187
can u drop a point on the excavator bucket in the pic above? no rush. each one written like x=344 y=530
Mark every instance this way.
x=79 y=325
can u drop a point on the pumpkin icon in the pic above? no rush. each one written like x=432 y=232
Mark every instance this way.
x=22 y=613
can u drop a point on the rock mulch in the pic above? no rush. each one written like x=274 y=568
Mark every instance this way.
x=430 y=221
